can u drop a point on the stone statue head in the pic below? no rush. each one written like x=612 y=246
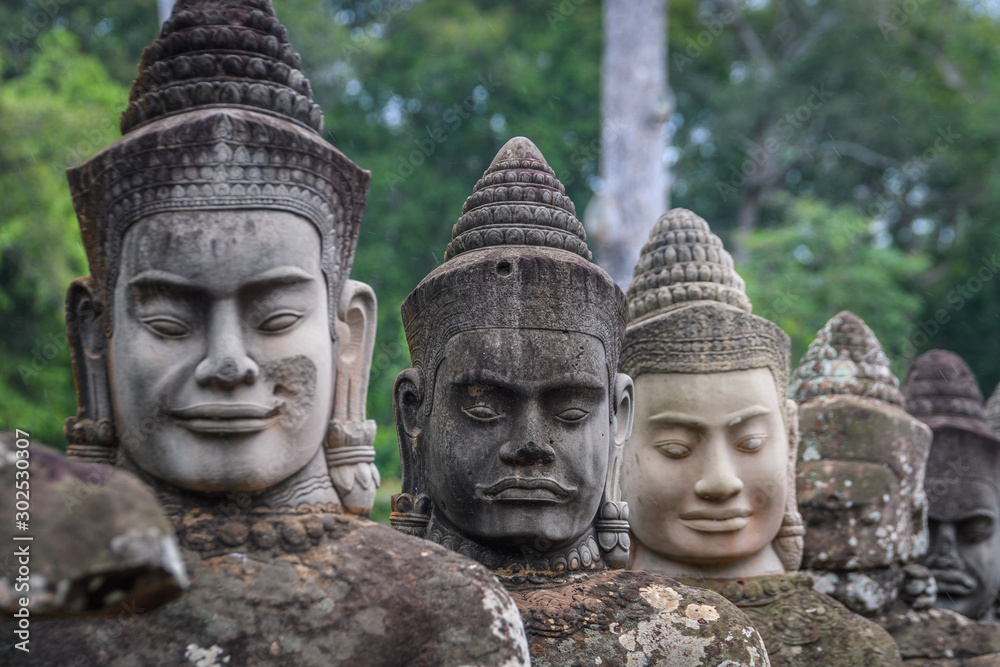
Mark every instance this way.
x=218 y=341
x=708 y=472
x=862 y=458
x=961 y=484
x=992 y=410
x=512 y=418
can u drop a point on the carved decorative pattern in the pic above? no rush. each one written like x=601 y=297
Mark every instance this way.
x=941 y=390
x=845 y=358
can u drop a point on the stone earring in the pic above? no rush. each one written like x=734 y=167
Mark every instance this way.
x=350 y=458
x=411 y=512
x=612 y=533
x=94 y=441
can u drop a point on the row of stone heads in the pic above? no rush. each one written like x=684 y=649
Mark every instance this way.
x=582 y=401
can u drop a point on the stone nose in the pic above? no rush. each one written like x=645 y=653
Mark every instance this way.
x=944 y=550
x=719 y=479
x=528 y=453
x=226 y=363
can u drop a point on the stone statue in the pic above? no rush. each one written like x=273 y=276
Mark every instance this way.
x=709 y=470
x=222 y=353
x=861 y=469
x=511 y=424
x=82 y=539
x=961 y=483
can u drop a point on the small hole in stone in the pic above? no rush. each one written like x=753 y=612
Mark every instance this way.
x=504 y=268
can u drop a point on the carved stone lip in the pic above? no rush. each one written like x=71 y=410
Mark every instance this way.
x=219 y=418
x=712 y=520
x=534 y=489
x=954 y=582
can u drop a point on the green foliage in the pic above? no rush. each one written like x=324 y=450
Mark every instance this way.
x=58 y=111
x=818 y=261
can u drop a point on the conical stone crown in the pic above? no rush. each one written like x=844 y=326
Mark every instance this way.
x=221 y=52
x=683 y=261
x=942 y=391
x=518 y=201
x=845 y=358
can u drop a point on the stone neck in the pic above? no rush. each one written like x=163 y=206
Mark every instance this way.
x=309 y=486
x=526 y=564
x=764 y=562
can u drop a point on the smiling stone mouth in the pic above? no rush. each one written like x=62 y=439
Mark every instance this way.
x=526 y=488
x=226 y=417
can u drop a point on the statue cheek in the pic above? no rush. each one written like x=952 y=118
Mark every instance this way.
x=293 y=381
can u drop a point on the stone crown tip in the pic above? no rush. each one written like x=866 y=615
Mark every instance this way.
x=518 y=148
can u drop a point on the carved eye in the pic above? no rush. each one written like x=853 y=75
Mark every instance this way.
x=673 y=449
x=279 y=322
x=751 y=443
x=572 y=415
x=482 y=413
x=976 y=530
x=167 y=327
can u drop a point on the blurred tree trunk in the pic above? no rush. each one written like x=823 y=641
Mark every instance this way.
x=635 y=105
x=164 y=7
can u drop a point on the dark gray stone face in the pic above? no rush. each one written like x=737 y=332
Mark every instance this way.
x=961 y=484
x=521 y=432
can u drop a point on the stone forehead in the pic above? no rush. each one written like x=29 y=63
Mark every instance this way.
x=845 y=358
x=845 y=427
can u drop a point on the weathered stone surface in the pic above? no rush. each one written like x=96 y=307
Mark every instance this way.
x=709 y=472
x=632 y=618
x=98 y=537
x=961 y=483
x=298 y=587
x=511 y=424
x=861 y=479
x=801 y=626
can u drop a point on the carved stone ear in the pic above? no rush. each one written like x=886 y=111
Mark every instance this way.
x=91 y=432
x=357 y=314
x=789 y=542
x=622 y=414
x=350 y=438
x=407 y=404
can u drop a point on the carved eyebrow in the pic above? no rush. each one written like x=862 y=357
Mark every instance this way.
x=277 y=277
x=694 y=423
x=747 y=413
x=280 y=277
x=492 y=378
x=156 y=278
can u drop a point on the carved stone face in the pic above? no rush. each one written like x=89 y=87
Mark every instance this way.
x=854 y=514
x=221 y=361
x=705 y=471
x=965 y=542
x=520 y=428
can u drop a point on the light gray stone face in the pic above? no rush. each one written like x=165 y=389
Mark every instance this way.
x=222 y=345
